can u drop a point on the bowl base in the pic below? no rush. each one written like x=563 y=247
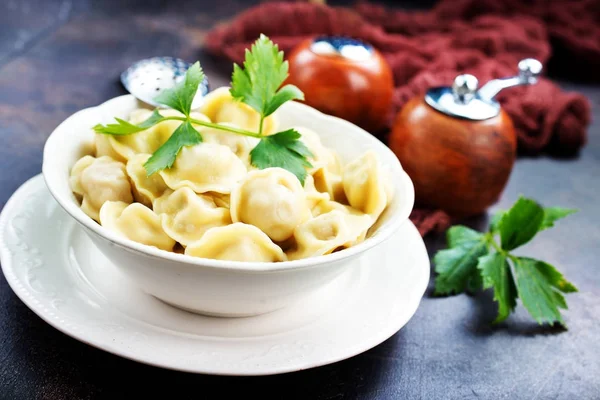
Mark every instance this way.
x=217 y=314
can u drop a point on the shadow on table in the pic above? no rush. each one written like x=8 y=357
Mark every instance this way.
x=519 y=323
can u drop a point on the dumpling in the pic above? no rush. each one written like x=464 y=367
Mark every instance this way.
x=322 y=156
x=75 y=177
x=149 y=140
x=220 y=107
x=135 y=222
x=236 y=242
x=205 y=167
x=325 y=206
x=104 y=147
x=329 y=182
x=145 y=188
x=99 y=180
x=271 y=199
x=328 y=232
x=240 y=145
x=364 y=184
x=186 y=216
x=313 y=196
x=220 y=199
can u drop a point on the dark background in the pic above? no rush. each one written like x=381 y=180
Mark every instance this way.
x=57 y=57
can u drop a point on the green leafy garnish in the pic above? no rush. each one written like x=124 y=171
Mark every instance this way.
x=164 y=157
x=496 y=274
x=283 y=150
x=257 y=85
x=457 y=265
x=181 y=96
x=552 y=214
x=520 y=224
x=539 y=286
x=474 y=260
x=123 y=127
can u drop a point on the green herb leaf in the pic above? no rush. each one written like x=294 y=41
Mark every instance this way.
x=495 y=221
x=164 y=157
x=520 y=224
x=475 y=282
x=467 y=264
x=539 y=285
x=264 y=72
x=460 y=235
x=286 y=93
x=284 y=150
x=552 y=214
x=496 y=274
x=455 y=266
x=181 y=96
x=123 y=127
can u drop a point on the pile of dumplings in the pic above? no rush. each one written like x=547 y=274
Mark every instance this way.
x=212 y=203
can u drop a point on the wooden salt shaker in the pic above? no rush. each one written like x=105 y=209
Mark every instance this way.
x=457 y=144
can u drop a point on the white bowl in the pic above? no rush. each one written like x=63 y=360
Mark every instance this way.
x=216 y=287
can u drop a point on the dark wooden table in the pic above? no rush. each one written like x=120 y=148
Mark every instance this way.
x=57 y=57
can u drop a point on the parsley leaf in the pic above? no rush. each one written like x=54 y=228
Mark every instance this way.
x=475 y=259
x=286 y=93
x=496 y=274
x=457 y=265
x=263 y=73
x=539 y=286
x=164 y=157
x=552 y=214
x=495 y=221
x=520 y=224
x=475 y=282
x=181 y=96
x=284 y=150
x=123 y=127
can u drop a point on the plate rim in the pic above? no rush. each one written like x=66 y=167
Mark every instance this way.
x=6 y=263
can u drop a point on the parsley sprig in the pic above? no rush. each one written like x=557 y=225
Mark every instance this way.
x=258 y=85
x=474 y=260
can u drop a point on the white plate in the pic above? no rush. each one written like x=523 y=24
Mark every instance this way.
x=57 y=272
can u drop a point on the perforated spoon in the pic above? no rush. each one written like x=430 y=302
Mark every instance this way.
x=146 y=78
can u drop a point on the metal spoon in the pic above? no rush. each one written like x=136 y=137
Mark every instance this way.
x=146 y=78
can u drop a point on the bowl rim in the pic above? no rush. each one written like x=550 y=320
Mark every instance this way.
x=385 y=231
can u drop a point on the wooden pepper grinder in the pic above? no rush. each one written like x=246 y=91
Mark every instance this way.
x=457 y=144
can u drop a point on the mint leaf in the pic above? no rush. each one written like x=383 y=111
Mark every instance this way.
x=164 y=157
x=123 y=127
x=539 y=285
x=284 y=150
x=181 y=96
x=263 y=73
x=552 y=214
x=520 y=224
x=455 y=266
x=496 y=274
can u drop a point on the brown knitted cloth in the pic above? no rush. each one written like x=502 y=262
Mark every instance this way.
x=484 y=37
